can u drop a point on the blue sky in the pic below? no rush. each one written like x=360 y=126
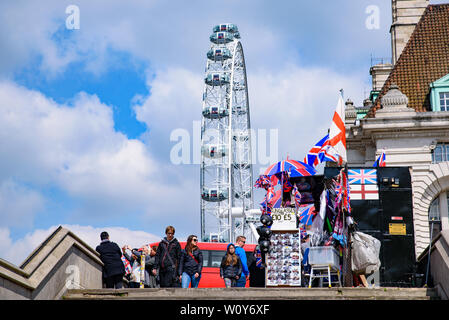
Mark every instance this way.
x=86 y=115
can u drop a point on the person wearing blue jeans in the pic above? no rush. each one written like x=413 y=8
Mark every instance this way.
x=191 y=263
x=240 y=241
x=187 y=279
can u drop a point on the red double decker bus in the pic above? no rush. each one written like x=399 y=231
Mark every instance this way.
x=213 y=252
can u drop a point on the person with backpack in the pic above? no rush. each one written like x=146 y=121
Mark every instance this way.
x=191 y=263
x=167 y=260
x=231 y=267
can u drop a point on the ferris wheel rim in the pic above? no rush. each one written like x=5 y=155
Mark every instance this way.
x=245 y=182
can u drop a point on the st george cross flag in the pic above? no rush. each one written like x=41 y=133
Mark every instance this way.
x=380 y=162
x=364 y=192
x=362 y=176
x=337 y=133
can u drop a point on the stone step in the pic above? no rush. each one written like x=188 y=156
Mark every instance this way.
x=389 y=293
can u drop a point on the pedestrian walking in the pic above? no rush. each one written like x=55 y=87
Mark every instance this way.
x=191 y=263
x=111 y=256
x=167 y=260
x=240 y=241
x=230 y=267
x=256 y=269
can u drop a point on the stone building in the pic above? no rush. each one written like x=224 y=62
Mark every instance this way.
x=407 y=113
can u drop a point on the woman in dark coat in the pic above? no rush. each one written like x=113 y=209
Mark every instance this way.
x=191 y=263
x=231 y=267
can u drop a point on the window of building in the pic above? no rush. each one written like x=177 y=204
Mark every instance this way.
x=444 y=101
x=434 y=216
x=439 y=94
x=440 y=153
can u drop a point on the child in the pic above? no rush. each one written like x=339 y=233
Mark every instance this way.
x=231 y=267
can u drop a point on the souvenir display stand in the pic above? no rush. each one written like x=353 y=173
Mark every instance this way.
x=284 y=259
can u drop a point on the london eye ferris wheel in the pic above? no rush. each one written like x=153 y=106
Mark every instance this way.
x=226 y=164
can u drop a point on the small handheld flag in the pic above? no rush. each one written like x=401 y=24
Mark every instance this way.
x=380 y=161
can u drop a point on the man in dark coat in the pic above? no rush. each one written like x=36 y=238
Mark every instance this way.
x=168 y=255
x=111 y=256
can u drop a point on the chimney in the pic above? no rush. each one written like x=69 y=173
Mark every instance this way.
x=406 y=15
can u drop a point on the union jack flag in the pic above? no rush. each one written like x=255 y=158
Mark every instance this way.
x=297 y=196
x=347 y=199
x=258 y=259
x=362 y=176
x=263 y=182
x=380 y=162
x=220 y=36
x=321 y=152
x=306 y=214
x=275 y=201
x=270 y=194
x=312 y=156
x=264 y=209
x=128 y=269
x=343 y=193
x=328 y=153
x=286 y=185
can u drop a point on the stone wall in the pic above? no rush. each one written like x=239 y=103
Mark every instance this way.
x=61 y=262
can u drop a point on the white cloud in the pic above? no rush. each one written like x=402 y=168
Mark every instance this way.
x=17 y=251
x=19 y=204
x=76 y=149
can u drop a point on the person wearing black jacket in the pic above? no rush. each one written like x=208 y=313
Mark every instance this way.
x=256 y=269
x=167 y=260
x=111 y=256
x=191 y=263
x=230 y=267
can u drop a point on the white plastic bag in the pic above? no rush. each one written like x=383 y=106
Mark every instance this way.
x=365 y=252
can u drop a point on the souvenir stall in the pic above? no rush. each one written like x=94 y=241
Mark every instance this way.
x=310 y=215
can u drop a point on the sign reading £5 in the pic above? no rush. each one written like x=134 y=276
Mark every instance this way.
x=284 y=219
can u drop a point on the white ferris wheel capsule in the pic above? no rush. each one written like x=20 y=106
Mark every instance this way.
x=226 y=164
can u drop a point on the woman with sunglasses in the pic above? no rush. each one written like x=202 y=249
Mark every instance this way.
x=191 y=263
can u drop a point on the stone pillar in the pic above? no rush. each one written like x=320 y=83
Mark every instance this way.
x=394 y=103
x=406 y=15
x=350 y=113
x=379 y=74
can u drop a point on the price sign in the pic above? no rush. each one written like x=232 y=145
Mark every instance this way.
x=284 y=219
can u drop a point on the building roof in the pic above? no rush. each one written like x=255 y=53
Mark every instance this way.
x=424 y=60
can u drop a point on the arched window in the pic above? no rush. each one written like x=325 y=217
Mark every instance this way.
x=434 y=215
